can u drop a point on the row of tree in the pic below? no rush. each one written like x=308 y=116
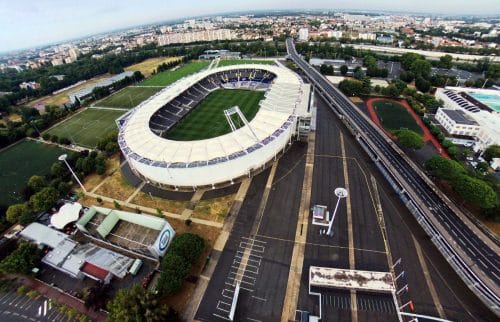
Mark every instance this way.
x=471 y=189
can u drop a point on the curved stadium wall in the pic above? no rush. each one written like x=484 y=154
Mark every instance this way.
x=224 y=159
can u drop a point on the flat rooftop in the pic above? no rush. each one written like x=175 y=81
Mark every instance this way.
x=459 y=116
x=351 y=279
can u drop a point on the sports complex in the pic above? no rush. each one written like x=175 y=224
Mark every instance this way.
x=215 y=127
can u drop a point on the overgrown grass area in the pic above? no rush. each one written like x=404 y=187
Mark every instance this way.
x=88 y=127
x=168 y=77
x=19 y=162
x=394 y=116
x=230 y=62
x=207 y=120
x=128 y=97
x=214 y=209
x=147 y=66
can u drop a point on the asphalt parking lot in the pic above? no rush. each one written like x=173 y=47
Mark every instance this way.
x=16 y=307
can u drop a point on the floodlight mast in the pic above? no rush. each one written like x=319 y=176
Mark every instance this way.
x=63 y=157
x=236 y=110
x=340 y=193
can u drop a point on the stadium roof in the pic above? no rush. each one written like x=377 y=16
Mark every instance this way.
x=278 y=110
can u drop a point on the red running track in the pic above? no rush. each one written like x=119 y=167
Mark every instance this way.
x=427 y=134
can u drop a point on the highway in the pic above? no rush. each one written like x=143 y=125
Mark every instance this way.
x=478 y=262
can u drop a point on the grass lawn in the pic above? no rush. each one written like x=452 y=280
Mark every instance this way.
x=128 y=97
x=19 y=163
x=168 y=77
x=207 y=120
x=88 y=127
x=394 y=116
x=228 y=62
x=149 y=65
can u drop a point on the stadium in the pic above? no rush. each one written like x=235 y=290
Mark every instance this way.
x=192 y=135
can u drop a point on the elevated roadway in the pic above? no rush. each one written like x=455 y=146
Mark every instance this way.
x=467 y=249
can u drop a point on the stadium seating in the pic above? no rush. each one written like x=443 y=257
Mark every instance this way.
x=168 y=115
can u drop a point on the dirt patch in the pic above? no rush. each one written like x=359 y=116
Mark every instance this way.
x=116 y=187
x=147 y=200
x=90 y=201
x=149 y=65
x=112 y=164
x=214 y=209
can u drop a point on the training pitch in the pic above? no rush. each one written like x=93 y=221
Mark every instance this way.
x=88 y=127
x=207 y=120
x=394 y=116
x=128 y=97
x=19 y=163
x=168 y=77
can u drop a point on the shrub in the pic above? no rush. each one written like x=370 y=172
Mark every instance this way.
x=117 y=205
x=98 y=199
x=188 y=245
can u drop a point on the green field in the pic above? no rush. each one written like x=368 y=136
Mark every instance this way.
x=229 y=62
x=129 y=97
x=168 y=77
x=207 y=120
x=394 y=116
x=88 y=127
x=19 y=163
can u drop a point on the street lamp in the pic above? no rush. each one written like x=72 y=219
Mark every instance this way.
x=341 y=193
x=63 y=158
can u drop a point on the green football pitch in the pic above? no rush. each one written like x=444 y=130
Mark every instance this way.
x=128 y=97
x=19 y=162
x=229 y=62
x=88 y=127
x=168 y=77
x=207 y=120
x=394 y=116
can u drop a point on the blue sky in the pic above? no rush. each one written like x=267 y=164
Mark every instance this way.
x=27 y=23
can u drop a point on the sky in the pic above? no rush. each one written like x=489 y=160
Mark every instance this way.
x=29 y=23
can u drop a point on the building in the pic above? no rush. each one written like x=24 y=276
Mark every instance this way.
x=303 y=34
x=220 y=53
x=75 y=259
x=73 y=53
x=194 y=36
x=57 y=61
x=481 y=106
x=144 y=235
x=29 y=85
x=456 y=122
x=337 y=64
x=85 y=93
x=221 y=160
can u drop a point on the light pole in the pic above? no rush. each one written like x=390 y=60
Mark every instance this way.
x=341 y=193
x=63 y=158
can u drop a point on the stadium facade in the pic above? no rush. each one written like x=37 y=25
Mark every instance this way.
x=223 y=160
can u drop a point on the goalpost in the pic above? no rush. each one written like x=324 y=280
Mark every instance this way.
x=236 y=110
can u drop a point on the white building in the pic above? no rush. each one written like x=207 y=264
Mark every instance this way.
x=487 y=118
x=188 y=37
x=303 y=34
x=456 y=122
x=73 y=53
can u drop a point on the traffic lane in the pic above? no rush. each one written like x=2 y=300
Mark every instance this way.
x=458 y=301
x=418 y=184
x=265 y=302
x=241 y=228
x=282 y=209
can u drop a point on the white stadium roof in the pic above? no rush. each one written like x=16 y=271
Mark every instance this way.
x=285 y=98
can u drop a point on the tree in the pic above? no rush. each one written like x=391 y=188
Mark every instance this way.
x=343 y=70
x=491 y=152
x=422 y=85
x=408 y=59
x=59 y=170
x=444 y=168
x=36 y=183
x=15 y=212
x=358 y=74
x=352 y=87
x=391 y=91
x=475 y=191
x=410 y=139
x=446 y=61
x=421 y=68
x=188 y=246
x=44 y=199
x=137 y=304
x=22 y=260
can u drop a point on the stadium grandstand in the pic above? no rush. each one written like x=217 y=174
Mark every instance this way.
x=220 y=160
x=145 y=235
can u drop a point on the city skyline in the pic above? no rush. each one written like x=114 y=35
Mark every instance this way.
x=26 y=25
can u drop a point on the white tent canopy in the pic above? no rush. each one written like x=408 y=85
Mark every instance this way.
x=68 y=213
